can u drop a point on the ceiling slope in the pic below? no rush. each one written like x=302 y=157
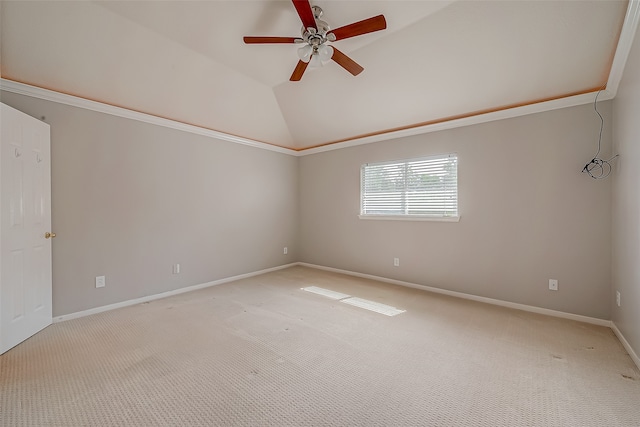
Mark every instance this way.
x=82 y=49
x=469 y=57
x=185 y=61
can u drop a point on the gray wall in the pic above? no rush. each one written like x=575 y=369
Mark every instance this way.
x=527 y=213
x=130 y=199
x=626 y=202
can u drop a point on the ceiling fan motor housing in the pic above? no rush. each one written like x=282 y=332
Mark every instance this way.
x=316 y=38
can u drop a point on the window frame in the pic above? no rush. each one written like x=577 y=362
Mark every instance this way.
x=409 y=217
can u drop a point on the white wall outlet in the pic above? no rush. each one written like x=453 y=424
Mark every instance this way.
x=176 y=268
x=396 y=262
x=618 y=298
x=101 y=282
x=285 y=250
x=553 y=285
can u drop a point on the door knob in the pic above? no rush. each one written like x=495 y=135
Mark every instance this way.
x=48 y=235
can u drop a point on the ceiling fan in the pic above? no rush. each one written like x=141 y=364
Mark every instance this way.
x=315 y=36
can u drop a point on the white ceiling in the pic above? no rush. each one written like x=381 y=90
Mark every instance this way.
x=186 y=61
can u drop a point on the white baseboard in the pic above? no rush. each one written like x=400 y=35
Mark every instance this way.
x=165 y=294
x=626 y=344
x=524 y=307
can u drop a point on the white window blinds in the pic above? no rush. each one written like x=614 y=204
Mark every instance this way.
x=426 y=187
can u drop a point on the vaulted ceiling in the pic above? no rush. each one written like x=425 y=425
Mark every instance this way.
x=186 y=61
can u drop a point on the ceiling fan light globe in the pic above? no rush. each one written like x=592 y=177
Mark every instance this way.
x=325 y=52
x=316 y=61
x=304 y=53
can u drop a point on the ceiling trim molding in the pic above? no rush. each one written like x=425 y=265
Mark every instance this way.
x=623 y=48
x=507 y=113
x=74 y=101
x=627 y=34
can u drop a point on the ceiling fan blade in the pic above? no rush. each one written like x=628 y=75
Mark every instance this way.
x=305 y=13
x=299 y=71
x=365 y=26
x=252 y=40
x=345 y=62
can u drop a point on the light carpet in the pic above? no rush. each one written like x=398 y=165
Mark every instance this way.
x=262 y=352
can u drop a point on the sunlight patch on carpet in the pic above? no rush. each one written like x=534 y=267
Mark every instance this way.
x=387 y=310
x=377 y=307
x=326 y=292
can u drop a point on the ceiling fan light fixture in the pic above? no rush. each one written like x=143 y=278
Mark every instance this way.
x=325 y=52
x=315 y=60
x=316 y=33
x=305 y=52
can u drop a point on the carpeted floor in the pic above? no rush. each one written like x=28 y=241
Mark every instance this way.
x=262 y=352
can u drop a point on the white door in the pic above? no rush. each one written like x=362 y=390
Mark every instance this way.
x=25 y=220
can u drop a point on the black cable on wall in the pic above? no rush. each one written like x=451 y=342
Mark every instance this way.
x=598 y=168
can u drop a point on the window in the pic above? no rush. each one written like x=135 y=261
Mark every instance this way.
x=424 y=188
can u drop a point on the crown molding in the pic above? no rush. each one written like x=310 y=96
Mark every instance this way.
x=625 y=41
x=507 y=113
x=74 y=101
x=627 y=34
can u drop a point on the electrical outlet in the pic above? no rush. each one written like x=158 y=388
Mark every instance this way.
x=618 y=298
x=101 y=282
x=396 y=262
x=553 y=285
x=285 y=250
x=176 y=268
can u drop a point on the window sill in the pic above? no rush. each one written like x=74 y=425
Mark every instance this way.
x=411 y=218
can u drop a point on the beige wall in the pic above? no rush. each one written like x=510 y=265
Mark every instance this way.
x=130 y=199
x=527 y=213
x=626 y=201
